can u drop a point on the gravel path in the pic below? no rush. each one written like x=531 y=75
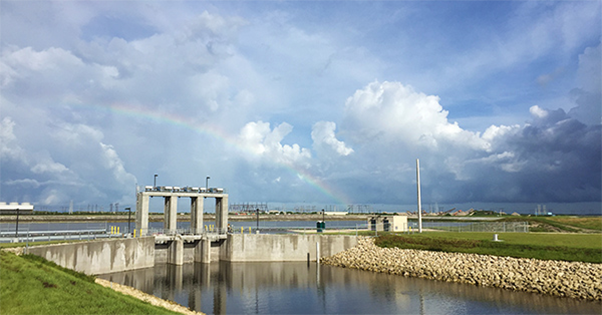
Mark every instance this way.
x=559 y=278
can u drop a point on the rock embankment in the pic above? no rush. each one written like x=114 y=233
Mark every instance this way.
x=559 y=278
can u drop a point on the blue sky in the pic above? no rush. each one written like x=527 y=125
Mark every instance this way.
x=319 y=102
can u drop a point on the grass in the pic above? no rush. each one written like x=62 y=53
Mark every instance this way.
x=569 y=247
x=590 y=223
x=33 y=285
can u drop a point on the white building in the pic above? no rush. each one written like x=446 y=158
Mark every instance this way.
x=11 y=208
x=392 y=223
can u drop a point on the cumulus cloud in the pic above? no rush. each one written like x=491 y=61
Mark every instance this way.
x=265 y=143
x=55 y=174
x=393 y=112
x=538 y=111
x=9 y=147
x=88 y=108
x=589 y=72
x=325 y=140
x=505 y=163
x=588 y=95
x=48 y=167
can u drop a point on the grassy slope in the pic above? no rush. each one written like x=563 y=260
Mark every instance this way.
x=570 y=247
x=32 y=285
x=591 y=223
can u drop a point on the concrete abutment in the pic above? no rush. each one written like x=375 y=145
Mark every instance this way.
x=108 y=256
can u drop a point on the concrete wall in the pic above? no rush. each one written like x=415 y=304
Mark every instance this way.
x=105 y=256
x=190 y=252
x=290 y=247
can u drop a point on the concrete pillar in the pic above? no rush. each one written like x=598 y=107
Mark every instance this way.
x=170 y=214
x=176 y=252
x=205 y=244
x=196 y=215
x=198 y=251
x=221 y=214
x=142 y=201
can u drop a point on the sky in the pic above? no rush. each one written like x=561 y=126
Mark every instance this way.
x=304 y=102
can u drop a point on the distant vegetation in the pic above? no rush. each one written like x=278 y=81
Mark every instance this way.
x=569 y=247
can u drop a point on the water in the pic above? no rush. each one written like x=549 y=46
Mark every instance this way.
x=305 y=288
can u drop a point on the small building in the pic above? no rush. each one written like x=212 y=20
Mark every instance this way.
x=11 y=208
x=391 y=223
x=342 y=213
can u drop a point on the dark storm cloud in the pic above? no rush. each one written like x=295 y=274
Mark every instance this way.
x=556 y=158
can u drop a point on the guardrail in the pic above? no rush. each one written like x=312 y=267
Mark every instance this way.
x=61 y=237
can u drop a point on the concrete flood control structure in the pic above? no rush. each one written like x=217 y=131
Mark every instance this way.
x=193 y=245
x=197 y=245
x=171 y=194
x=288 y=247
x=97 y=257
x=252 y=248
x=107 y=256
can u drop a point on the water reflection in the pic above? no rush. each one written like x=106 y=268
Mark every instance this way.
x=301 y=288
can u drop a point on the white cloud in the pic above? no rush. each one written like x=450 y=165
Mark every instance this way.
x=108 y=94
x=589 y=73
x=392 y=112
x=265 y=143
x=588 y=94
x=325 y=140
x=538 y=111
x=113 y=163
x=48 y=167
x=209 y=26
x=496 y=132
x=9 y=147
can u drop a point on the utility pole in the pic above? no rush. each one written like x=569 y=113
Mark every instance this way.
x=419 y=201
x=257 y=220
x=129 y=218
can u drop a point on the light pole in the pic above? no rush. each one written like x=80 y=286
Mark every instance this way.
x=129 y=217
x=207 y=183
x=419 y=197
x=257 y=219
x=155 y=181
x=17 y=227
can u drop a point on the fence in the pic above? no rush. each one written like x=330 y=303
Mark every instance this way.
x=500 y=227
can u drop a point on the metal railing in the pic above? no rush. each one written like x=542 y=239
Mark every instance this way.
x=38 y=232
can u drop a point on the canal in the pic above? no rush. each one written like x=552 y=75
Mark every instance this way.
x=305 y=288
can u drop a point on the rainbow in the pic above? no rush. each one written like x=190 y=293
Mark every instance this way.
x=216 y=133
